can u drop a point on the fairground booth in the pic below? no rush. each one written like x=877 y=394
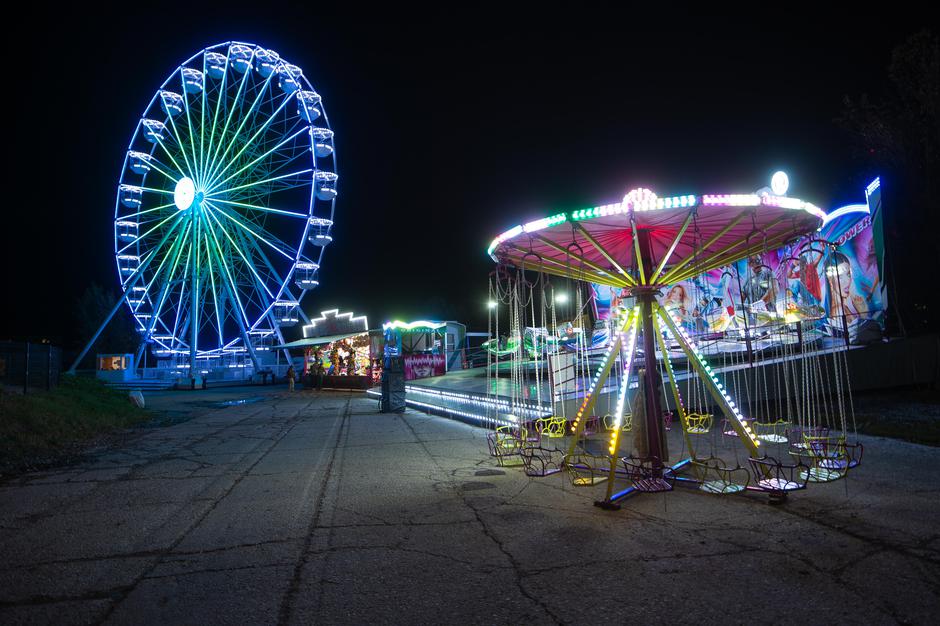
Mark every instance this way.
x=339 y=351
x=428 y=348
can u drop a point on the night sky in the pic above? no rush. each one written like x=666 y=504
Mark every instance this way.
x=447 y=132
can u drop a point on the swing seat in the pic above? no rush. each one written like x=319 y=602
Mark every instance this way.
x=772 y=432
x=591 y=425
x=698 y=423
x=820 y=474
x=625 y=425
x=646 y=476
x=554 y=427
x=716 y=478
x=721 y=487
x=532 y=434
x=587 y=481
x=773 y=476
x=539 y=461
x=829 y=458
x=506 y=444
x=798 y=438
x=667 y=420
x=586 y=469
x=727 y=430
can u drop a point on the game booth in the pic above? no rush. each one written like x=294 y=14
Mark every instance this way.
x=339 y=352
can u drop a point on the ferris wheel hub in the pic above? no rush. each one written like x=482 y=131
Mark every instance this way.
x=185 y=193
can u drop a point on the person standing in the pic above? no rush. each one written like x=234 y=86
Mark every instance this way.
x=291 y=375
x=319 y=373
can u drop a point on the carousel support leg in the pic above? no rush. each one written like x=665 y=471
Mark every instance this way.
x=646 y=298
x=654 y=413
x=587 y=405
x=673 y=385
x=608 y=503
x=717 y=392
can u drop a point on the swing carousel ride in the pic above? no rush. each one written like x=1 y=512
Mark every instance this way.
x=611 y=411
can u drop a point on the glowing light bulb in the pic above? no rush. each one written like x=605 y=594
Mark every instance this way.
x=779 y=183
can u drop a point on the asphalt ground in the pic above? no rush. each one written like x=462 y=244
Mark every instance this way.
x=312 y=507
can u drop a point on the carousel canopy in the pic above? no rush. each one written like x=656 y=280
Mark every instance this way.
x=683 y=236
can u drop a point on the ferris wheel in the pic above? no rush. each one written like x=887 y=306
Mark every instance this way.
x=224 y=205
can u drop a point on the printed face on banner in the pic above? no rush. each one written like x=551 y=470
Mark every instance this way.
x=424 y=366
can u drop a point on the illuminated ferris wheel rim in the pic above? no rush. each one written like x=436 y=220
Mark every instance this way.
x=202 y=188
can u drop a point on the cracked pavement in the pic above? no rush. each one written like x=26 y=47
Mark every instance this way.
x=315 y=508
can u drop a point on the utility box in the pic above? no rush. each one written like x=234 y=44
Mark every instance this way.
x=393 y=385
x=114 y=368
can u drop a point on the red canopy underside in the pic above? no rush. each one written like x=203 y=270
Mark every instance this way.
x=715 y=237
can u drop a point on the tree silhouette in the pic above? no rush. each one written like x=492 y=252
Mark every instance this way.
x=897 y=136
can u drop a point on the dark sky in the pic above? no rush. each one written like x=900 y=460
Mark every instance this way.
x=447 y=132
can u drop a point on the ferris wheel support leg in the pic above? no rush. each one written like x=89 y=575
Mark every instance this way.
x=131 y=283
x=280 y=336
x=97 y=334
x=139 y=354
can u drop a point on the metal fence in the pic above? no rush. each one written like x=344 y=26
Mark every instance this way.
x=36 y=365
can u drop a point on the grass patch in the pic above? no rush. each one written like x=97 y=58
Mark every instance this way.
x=44 y=424
x=911 y=414
x=927 y=433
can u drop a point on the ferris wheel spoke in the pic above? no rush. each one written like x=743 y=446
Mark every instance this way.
x=145 y=212
x=215 y=297
x=258 y=158
x=252 y=114
x=232 y=287
x=248 y=263
x=218 y=101
x=261 y=208
x=155 y=190
x=189 y=127
x=139 y=237
x=251 y=140
x=182 y=171
x=179 y=306
x=156 y=273
x=202 y=118
x=258 y=283
x=257 y=236
x=237 y=248
x=168 y=281
x=228 y=120
x=250 y=241
x=245 y=117
x=264 y=182
x=182 y=146
x=267 y=261
x=160 y=170
x=145 y=261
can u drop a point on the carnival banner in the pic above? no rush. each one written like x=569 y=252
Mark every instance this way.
x=424 y=366
x=831 y=280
